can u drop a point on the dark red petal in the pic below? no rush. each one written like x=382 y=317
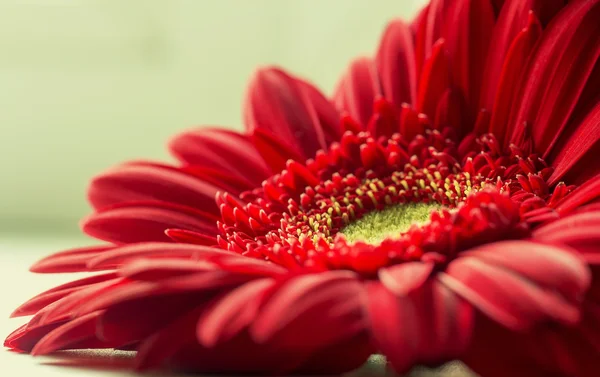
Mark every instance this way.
x=581 y=137
x=220 y=149
x=495 y=351
x=146 y=222
x=339 y=358
x=278 y=104
x=510 y=76
x=557 y=73
x=151 y=182
x=519 y=296
x=396 y=64
x=429 y=30
x=429 y=326
x=434 y=81
x=136 y=318
x=199 y=284
x=25 y=338
x=451 y=112
x=587 y=193
x=156 y=349
x=73 y=260
x=513 y=18
x=66 y=335
x=467 y=30
x=358 y=90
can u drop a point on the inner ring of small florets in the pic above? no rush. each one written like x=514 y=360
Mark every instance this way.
x=295 y=219
x=341 y=203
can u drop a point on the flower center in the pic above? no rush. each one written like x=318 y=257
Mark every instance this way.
x=391 y=222
x=370 y=202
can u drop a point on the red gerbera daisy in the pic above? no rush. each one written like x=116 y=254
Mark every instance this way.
x=445 y=205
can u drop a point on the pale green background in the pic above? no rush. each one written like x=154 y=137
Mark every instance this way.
x=85 y=84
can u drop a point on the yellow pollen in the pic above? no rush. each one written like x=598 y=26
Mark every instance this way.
x=359 y=202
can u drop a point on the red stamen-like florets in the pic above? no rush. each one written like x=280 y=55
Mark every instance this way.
x=295 y=219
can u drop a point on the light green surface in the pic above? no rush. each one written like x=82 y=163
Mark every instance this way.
x=89 y=83
x=376 y=226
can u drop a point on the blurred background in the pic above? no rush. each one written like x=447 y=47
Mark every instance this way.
x=85 y=84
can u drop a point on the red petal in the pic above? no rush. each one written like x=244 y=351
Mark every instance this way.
x=152 y=270
x=132 y=320
x=358 y=90
x=580 y=138
x=151 y=182
x=25 y=338
x=557 y=73
x=67 y=307
x=329 y=303
x=288 y=108
x=451 y=111
x=429 y=30
x=513 y=18
x=232 y=313
x=396 y=63
x=122 y=254
x=163 y=344
x=519 y=296
x=225 y=181
x=220 y=149
x=579 y=231
x=274 y=151
x=73 y=260
x=467 y=30
x=339 y=358
x=510 y=76
x=549 y=267
x=146 y=222
x=323 y=110
x=435 y=80
x=45 y=298
x=498 y=352
x=406 y=277
x=186 y=236
x=587 y=193
x=429 y=326
x=70 y=333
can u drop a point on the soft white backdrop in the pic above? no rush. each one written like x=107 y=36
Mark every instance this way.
x=85 y=84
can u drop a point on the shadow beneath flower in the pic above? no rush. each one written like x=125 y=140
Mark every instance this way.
x=122 y=362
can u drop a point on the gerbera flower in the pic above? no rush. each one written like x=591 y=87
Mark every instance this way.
x=444 y=205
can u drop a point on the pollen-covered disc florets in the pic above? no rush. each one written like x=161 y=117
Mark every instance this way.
x=439 y=198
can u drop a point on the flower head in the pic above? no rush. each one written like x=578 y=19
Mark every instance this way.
x=444 y=205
